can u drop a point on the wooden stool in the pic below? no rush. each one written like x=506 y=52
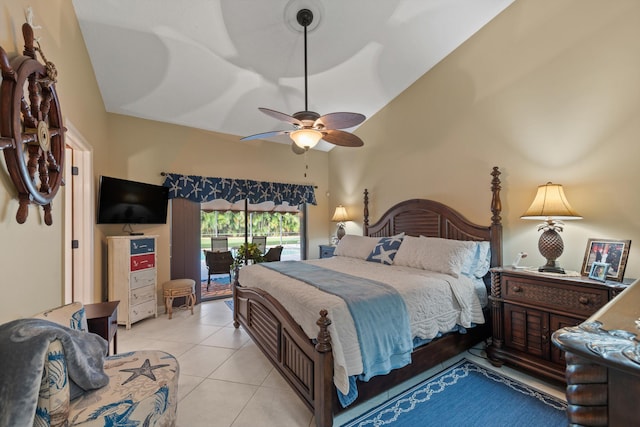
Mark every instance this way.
x=179 y=288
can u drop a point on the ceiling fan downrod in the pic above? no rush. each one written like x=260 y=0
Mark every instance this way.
x=305 y=18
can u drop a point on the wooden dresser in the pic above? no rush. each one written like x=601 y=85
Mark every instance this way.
x=603 y=364
x=527 y=307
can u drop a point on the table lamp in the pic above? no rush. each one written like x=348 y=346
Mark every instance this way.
x=340 y=216
x=550 y=205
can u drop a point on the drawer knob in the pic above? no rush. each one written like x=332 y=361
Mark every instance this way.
x=517 y=289
x=583 y=300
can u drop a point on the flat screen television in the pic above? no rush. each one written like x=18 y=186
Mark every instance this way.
x=129 y=202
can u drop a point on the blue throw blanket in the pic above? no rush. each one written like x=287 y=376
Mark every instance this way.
x=23 y=348
x=378 y=311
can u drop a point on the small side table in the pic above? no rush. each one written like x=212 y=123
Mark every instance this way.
x=102 y=319
x=326 y=251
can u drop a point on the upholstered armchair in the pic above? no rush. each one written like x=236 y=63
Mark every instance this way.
x=141 y=389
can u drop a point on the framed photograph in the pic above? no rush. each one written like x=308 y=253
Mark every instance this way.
x=612 y=252
x=599 y=271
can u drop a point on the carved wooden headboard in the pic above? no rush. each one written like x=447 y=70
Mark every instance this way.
x=422 y=217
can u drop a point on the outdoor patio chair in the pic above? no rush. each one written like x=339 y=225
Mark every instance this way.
x=218 y=263
x=273 y=254
x=219 y=244
x=261 y=241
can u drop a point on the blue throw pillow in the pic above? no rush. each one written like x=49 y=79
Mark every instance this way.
x=386 y=250
x=477 y=264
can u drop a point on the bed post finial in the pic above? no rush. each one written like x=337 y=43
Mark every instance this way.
x=323 y=344
x=366 y=212
x=496 y=219
x=496 y=204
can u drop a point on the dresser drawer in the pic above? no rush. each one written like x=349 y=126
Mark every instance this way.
x=575 y=299
x=140 y=262
x=141 y=278
x=142 y=311
x=142 y=246
x=141 y=295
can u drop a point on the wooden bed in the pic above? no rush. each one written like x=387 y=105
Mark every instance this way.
x=307 y=365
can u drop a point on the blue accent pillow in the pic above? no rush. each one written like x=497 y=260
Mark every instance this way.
x=477 y=264
x=386 y=250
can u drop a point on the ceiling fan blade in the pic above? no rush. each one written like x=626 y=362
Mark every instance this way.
x=342 y=138
x=297 y=149
x=265 y=135
x=340 y=120
x=281 y=116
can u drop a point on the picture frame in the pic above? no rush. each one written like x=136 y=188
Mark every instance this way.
x=609 y=251
x=599 y=271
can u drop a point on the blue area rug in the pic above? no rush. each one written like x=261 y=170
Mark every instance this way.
x=467 y=394
x=221 y=280
x=229 y=303
x=220 y=287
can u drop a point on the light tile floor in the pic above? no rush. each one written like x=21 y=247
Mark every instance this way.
x=225 y=380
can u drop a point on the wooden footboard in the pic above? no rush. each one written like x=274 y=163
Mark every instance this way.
x=306 y=366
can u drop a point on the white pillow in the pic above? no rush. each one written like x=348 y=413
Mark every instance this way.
x=356 y=246
x=434 y=254
x=409 y=252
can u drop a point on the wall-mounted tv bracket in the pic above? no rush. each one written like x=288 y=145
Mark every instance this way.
x=31 y=129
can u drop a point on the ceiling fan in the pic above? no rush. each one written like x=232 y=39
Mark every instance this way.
x=310 y=127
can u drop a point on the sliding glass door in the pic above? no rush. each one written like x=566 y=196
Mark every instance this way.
x=280 y=229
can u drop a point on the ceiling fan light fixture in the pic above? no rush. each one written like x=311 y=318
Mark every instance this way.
x=309 y=126
x=306 y=138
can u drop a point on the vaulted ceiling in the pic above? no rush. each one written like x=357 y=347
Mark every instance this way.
x=210 y=64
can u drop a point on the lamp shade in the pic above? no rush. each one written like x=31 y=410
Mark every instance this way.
x=340 y=215
x=550 y=202
x=306 y=138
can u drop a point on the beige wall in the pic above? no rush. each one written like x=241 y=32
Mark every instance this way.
x=548 y=91
x=31 y=258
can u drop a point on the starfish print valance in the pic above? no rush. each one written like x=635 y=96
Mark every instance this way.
x=204 y=189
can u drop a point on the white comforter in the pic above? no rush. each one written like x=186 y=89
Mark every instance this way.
x=435 y=303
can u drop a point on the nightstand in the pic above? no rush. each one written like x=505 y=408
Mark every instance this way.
x=326 y=251
x=102 y=319
x=527 y=307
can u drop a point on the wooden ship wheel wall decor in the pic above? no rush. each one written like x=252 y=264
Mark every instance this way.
x=31 y=129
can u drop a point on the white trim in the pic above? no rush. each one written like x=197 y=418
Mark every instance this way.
x=82 y=213
x=68 y=224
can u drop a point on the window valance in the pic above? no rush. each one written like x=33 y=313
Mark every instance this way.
x=204 y=189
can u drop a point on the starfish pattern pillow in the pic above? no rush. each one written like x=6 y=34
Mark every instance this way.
x=386 y=249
